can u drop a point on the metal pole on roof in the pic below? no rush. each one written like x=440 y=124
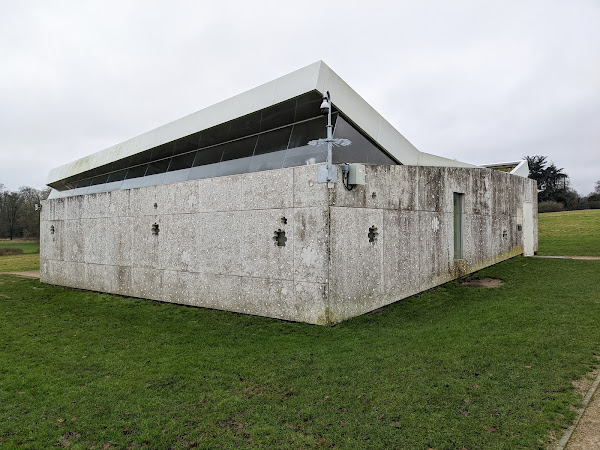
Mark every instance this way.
x=330 y=175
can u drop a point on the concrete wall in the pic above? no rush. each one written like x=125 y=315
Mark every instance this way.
x=215 y=246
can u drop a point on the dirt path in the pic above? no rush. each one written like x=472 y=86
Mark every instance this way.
x=591 y=258
x=585 y=431
x=28 y=273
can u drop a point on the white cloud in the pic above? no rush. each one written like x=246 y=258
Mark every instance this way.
x=478 y=81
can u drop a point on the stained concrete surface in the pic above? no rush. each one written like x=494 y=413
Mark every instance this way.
x=215 y=246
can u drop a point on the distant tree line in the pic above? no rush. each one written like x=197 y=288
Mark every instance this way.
x=554 y=190
x=18 y=215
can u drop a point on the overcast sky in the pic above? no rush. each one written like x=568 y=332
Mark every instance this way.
x=478 y=81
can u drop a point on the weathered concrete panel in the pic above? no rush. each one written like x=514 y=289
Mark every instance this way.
x=147 y=283
x=311 y=241
x=481 y=188
x=276 y=297
x=306 y=190
x=387 y=187
x=96 y=205
x=356 y=265
x=436 y=248
x=261 y=256
x=431 y=189
x=267 y=190
x=97 y=235
x=401 y=272
x=310 y=304
x=51 y=236
x=145 y=245
x=219 y=242
x=220 y=194
x=119 y=203
x=119 y=240
x=74 y=241
x=215 y=244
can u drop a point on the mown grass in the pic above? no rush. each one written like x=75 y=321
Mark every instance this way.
x=28 y=247
x=570 y=233
x=19 y=263
x=29 y=260
x=454 y=367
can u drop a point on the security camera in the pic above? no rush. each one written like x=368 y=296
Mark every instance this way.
x=325 y=106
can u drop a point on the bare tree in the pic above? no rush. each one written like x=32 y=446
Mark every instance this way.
x=10 y=208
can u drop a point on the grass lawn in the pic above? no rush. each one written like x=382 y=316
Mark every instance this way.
x=29 y=260
x=28 y=247
x=451 y=368
x=18 y=263
x=454 y=367
x=572 y=233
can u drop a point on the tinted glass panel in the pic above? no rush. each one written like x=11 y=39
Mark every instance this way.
x=182 y=161
x=234 y=166
x=121 y=164
x=205 y=171
x=132 y=183
x=278 y=115
x=98 y=184
x=136 y=172
x=83 y=183
x=158 y=167
x=267 y=161
x=308 y=105
x=308 y=131
x=187 y=144
x=113 y=186
x=99 y=180
x=239 y=149
x=117 y=176
x=162 y=151
x=302 y=156
x=177 y=175
x=362 y=150
x=209 y=156
x=273 y=141
x=214 y=135
x=244 y=126
x=381 y=158
x=140 y=158
x=152 y=180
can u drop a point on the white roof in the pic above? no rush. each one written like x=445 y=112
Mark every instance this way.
x=317 y=76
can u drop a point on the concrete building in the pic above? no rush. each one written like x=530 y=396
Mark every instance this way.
x=224 y=209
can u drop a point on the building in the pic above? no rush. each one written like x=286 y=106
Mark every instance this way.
x=224 y=209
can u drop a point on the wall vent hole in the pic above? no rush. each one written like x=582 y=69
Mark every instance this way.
x=374 y=194
x=155 y=205
x=284 y=220
x=280 y=238
x=51 y=229
x=155 y=229
x=373 y=233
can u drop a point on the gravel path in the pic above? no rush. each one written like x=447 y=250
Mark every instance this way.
x=591 y=258
x=28 y=273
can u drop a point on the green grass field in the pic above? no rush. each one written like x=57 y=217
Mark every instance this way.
x=572 y=233
x=451 y=368
x=29 y=260
x=28 y=247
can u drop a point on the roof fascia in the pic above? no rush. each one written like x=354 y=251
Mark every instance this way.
x=288 y=86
